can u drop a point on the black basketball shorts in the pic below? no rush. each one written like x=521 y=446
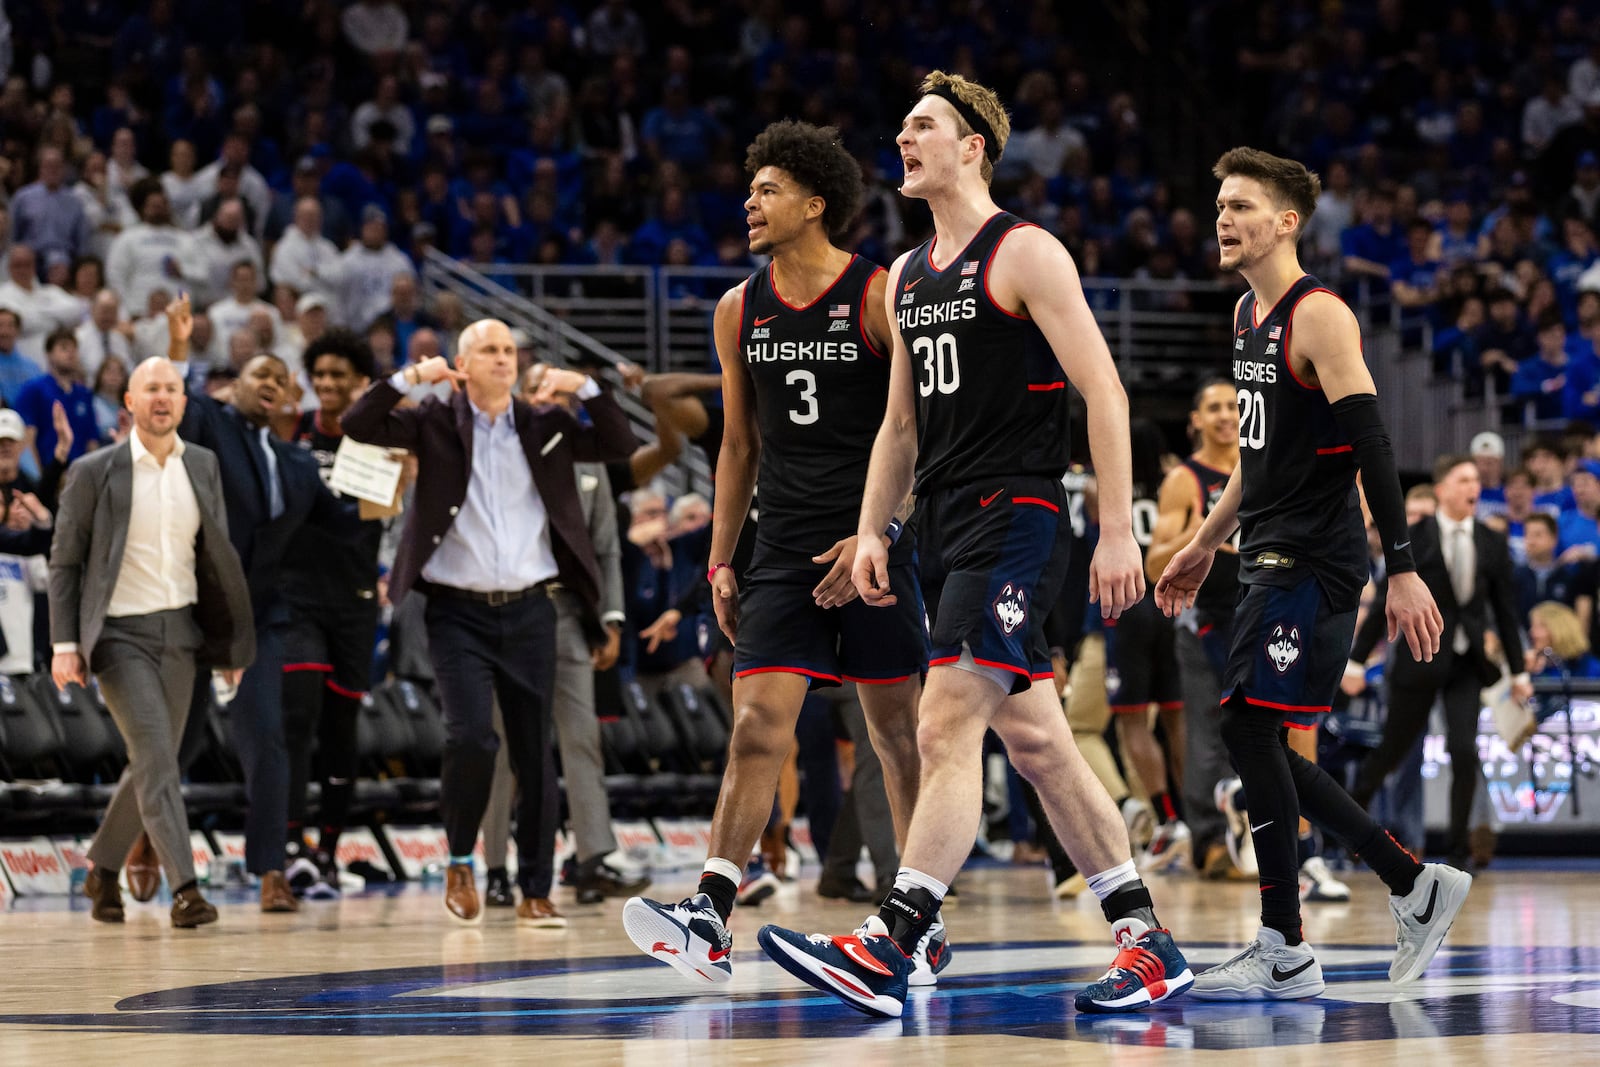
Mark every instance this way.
x=1289 y=651
x=335 y=639
x=1142 y=660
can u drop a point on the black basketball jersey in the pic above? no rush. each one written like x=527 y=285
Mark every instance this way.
x=319 y=566
x=820 y=392
x=1300 y=509
x=1219 y=593
x=991 y=398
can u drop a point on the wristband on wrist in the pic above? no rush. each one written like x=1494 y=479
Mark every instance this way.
x=711 y=575
x=894 y=530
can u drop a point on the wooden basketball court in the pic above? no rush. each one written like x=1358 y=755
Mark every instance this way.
x=390 y=978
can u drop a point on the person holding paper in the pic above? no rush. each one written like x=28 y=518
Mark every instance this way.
x=331 y=585
x=494 y=530
x=271 y=490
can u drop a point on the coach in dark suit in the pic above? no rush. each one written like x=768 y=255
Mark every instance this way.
x=142 y=580
x=1467 y=568
x=495 y=522
x=271 y=489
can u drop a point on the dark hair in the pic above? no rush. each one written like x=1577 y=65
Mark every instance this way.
x=1541 y=518
x=1207 y=384
x=1550 y=318
x=1449 y=462
x=347 y=345
x=1288 y=182
x=1148 y=444
x=143 y=190
x=1545 y=443
x=1515 y=473
x=58 y=335
x=14 y=313
x=815 y=157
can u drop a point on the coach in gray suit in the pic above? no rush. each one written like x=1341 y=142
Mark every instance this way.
x=143 y=580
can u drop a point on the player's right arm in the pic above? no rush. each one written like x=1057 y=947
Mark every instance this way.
x=1177 y=519
x=738 y=461
x=893 y=464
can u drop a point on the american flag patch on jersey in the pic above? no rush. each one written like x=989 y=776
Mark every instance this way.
x=970 y=267
x=1274 y=333
x=839 y=311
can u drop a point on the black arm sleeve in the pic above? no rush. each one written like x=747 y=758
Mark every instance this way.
x=1360 y=422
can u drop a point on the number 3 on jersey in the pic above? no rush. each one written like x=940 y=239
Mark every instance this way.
x=941 y=369
x=1252 y=418
x=808 y=397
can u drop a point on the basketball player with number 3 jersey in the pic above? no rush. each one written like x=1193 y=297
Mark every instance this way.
x=1308 y=421
x=989 y=324
x=804 y=347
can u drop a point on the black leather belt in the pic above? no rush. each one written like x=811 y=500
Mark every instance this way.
x=495 y=598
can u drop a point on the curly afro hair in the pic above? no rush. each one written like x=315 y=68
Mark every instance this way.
x=815 y=157
x=346 y=345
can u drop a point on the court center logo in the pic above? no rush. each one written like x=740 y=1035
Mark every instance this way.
x=1283 y=647
x=1011 y=608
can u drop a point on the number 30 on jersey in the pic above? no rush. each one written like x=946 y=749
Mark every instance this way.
x=941 y=369
x=1252 y=419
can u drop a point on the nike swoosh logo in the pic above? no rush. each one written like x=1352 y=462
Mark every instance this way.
x=1280 y=975
x=985 y=501
x=1401 y=546
x=662 y=946
x=763 y=322
x=1425 y=916
x=1242 y=332
x=1263 y=826
x=913 y=284
x=853 y=948
x=720 y=954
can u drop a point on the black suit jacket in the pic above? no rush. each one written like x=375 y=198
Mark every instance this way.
x=440 y=434
x=261 y=540
x=1493 y=594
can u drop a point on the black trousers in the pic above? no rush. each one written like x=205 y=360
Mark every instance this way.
x=480 y=652
x=1409 y=706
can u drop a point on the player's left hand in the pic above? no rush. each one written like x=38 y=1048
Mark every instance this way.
x=1412 y=612
x=836 y=588
x=1116 y=575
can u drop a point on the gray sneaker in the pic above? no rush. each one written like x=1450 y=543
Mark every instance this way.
x=1268 y=969
x=1423 y=916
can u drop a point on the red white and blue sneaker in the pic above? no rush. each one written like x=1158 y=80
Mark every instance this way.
x=932 y=955
x=689 y=935
x=758 y=884
x=866 y=969
x=1148 y=969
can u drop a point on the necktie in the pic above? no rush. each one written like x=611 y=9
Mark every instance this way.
x=274 y=490
x=1461 y=567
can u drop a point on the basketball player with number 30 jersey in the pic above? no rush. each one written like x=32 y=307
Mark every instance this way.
x=989 y=324
x=804 y=349
x=1308 y=420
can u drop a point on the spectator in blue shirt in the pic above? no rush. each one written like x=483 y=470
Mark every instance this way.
x=1455 y=348
x=1578 y=252
x=1541 y=576
x=47 y=215
x=62 y=384
x=16 y=369
x=671 y=223
x=1370 y=247
x=1556 y=386
x=678 y=130
x=1576 y=528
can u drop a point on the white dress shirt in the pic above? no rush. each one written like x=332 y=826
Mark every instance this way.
x=158 y=563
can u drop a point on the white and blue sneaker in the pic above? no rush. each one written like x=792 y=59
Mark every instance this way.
x=689 y=935
x=1148 y=969
x=866 y=969
x=758 y=884
x=932 y=954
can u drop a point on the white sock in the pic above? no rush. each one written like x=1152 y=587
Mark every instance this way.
x=1109 y=881
x=907 y=878
x=726 y=868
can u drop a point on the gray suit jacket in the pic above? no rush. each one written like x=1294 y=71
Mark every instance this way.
x=600 y=514
x=91 y=534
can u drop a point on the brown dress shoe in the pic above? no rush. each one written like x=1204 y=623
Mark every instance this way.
x=461 y=893
x=105 y=897
x=275 y=894
x=540 y=913
x=190 y=909
x=144 y=870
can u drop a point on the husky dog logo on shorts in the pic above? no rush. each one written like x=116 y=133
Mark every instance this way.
x=1284 y=648
x=1011 y=608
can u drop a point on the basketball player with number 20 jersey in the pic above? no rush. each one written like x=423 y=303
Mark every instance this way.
x=804 y=348
x=989 y=323
x=1308 y=421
